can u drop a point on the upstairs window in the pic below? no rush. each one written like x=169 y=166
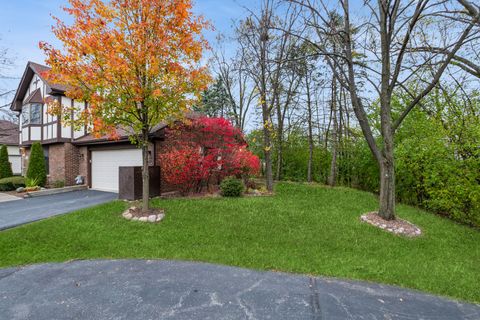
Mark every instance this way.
x=36 y=113
x=32 y=114
x=26 y=115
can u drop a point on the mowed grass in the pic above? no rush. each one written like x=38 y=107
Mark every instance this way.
x=306 y=229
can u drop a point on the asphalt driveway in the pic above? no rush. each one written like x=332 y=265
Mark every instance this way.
x=18 y=212
x=139 y=289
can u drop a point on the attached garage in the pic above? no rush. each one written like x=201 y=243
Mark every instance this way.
x=105 y=165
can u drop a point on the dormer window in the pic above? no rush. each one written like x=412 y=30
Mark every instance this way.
x=32 y=114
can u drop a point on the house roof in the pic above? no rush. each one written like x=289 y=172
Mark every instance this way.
x=35 y=97
x=8 y=133
x=32 y=69
x=123 y=135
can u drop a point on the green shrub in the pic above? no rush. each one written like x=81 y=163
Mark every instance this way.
x=36 y=165
x=59 y=184
x=231 y=187
x=12 y=183
x=31 y=182
x=5 y=165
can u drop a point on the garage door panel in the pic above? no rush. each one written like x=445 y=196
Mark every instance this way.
x=105 y=165
x=16 y=162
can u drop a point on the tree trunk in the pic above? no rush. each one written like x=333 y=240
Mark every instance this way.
x=310 y=131
x=145 y=176
x=145 y=173
x=278 y=173
x=332 y=177
x=267 y=149
x=387 y=187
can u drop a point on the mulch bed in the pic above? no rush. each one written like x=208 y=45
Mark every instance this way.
x=397 y=226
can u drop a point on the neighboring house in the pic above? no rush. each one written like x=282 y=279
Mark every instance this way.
x=69 y=152
x=9 y=137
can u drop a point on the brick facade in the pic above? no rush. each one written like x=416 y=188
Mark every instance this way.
x=56 y=162
x=83 y=163
x=72 y=165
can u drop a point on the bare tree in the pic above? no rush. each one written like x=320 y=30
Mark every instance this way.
x=6 y=63
x=233 y=72
x=265 y=53
x=380 y=56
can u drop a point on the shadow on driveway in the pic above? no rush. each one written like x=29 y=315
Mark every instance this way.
x=15 y=213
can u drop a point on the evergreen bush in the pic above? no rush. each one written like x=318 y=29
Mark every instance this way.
x=231 y=187
x=5 y=165
x=36 y=165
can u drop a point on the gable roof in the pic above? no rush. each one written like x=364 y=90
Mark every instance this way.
x=35 y=97
x=8 y=133
x=32 y=69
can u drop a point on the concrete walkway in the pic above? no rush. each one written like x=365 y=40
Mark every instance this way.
x=7 y=197
x=138 y=289
x=15 y=213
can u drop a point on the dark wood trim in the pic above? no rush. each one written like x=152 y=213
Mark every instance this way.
x=32 y=125
x=49 y=141
x=72 y=114
x=49 y=123
x=59 y=120
x=89 y=168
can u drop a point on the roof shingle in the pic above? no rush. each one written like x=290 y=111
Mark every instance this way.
x=8 y=133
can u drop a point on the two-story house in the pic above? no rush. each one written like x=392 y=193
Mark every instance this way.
x=71 y=152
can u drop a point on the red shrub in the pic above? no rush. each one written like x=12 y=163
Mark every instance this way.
x=199 y=149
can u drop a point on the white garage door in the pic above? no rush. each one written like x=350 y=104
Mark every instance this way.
x=105 y=166
x=16 y=162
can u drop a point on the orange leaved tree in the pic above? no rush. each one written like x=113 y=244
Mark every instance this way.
x=136 y=62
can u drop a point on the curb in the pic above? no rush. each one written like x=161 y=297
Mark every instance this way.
x=49 y=192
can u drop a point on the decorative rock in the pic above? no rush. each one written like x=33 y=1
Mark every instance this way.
x=398 y=226
x=128 y=216
x=152 y=218
x=160 y=217
x=21 y=189
x=143 y=219
x=135 y=219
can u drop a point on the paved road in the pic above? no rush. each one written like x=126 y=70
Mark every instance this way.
x=15 y=213
x=138 y=289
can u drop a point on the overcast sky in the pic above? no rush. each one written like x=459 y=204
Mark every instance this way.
x=23 y=23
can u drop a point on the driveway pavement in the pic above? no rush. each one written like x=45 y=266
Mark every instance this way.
x=15 y=213
x=6 y=197
x=138 y=289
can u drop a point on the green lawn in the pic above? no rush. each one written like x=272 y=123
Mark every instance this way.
x=303 y=229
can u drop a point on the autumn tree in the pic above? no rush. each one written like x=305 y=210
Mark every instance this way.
x=136 y=63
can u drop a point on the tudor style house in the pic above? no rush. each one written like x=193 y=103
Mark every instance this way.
x=68 y=152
